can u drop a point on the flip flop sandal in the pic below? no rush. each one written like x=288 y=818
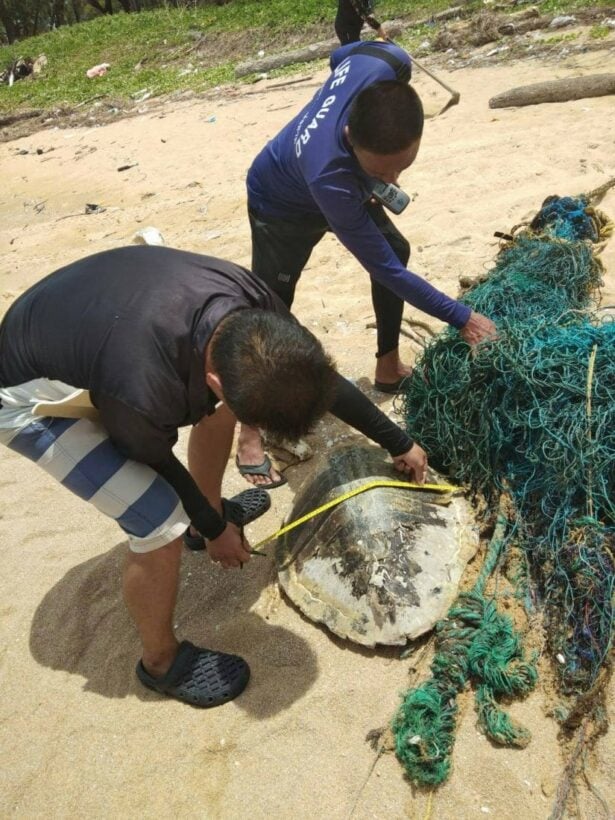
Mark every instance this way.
x=260 y=469
x=391 y=387
x=240 y=510
x=200 y=677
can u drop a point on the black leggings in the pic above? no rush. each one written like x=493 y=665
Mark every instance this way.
x=281 y=249
x=348 y=23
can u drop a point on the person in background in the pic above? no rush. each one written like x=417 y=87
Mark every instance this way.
x=350 y=17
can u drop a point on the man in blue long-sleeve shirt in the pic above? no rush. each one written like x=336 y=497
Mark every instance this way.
x=317 y=175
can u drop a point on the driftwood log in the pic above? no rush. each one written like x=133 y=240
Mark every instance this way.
x=10 y=119
x=318 y=51
x=315 y=51
x=570 y=88
x=522 y=26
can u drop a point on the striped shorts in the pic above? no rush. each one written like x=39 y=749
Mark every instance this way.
x=79 y=454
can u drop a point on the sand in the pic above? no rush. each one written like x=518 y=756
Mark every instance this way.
x=79 y=736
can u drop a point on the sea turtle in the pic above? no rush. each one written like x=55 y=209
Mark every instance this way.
x=383 y=566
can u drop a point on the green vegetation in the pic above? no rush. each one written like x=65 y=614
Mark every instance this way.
x=569 y=6
x=599 y=32
x=177 y=49
x=560 y=38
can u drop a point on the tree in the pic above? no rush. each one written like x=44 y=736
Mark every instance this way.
x=24 y=18
x=6 y=18
x=107 y=8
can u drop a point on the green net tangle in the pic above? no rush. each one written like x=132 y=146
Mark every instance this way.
x=530 y=418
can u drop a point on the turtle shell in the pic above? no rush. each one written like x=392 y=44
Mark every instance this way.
x=383 y=566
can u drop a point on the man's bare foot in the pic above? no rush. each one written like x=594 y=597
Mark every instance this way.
x=252 y=461
x=390 y=370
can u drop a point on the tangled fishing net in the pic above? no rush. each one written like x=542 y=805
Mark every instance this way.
x=527 y=421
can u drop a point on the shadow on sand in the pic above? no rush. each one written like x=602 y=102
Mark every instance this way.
x=82 y=627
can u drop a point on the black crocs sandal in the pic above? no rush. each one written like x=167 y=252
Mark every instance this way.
x=240 y=510
x=246 y=506
x=200 y=677
x=196 y=542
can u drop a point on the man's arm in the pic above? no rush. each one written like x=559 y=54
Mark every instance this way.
x=139 y=439
x=355 y=409
x=340 y=200
x=202 y=515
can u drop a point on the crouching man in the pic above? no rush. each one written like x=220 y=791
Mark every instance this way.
x=161 y=339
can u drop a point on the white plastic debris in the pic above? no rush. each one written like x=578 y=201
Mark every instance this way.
x=39 y=64
x=496 y=51
x=562 y=21
x=300 y=448
x=148 y=236
x=98 y=70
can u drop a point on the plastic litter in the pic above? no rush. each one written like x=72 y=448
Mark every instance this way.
x=562 y=20
x=98 y=70
x=148 y=236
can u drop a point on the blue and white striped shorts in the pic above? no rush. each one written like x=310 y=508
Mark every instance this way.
x=79 y=454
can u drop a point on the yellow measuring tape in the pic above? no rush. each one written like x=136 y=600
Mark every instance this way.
x=407 y=485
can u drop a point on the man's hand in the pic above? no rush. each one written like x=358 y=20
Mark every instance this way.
x=413 y=463
x=229 y=549
x=477 y=329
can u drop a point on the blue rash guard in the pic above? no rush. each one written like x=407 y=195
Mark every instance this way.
x=309 y=169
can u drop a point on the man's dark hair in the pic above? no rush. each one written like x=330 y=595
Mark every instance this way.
x=386 y=117
x=275 y=374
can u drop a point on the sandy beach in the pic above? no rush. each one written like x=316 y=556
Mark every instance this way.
x=79 y=736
